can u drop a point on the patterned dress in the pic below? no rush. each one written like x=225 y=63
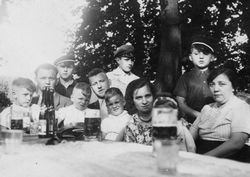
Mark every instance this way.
x=138 y=131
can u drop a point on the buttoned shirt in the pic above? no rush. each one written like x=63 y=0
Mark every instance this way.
x=193 y=87
x=120 y=79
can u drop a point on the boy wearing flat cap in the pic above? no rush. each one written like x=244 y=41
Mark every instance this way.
x=122 y=75
x=192 y=91
x=65 y=66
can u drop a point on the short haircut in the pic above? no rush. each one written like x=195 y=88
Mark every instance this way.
x=46 y=66
x=84 y=87
x=21 y=82
x=132 y=86
x=231 y=75
x=95 y=71
x=113 y=91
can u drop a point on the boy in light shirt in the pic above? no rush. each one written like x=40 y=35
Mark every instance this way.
x=113 y=126
x=21 y=109
x=74 y=115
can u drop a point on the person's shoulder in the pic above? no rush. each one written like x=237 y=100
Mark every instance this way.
x=134 y=76
x=126 y=115
x=240 y=104
x=5 y=111
x=114 y=72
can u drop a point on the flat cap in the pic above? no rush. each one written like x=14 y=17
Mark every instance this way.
x=63 y=59
x=124 y=50
x=204 y=40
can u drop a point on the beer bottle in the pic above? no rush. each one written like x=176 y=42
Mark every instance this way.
x=42 y=125
x=51 y=113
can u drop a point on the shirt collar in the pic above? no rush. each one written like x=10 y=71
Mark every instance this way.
x=119 y=71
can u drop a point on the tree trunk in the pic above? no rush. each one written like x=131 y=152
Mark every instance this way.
x=168 y=66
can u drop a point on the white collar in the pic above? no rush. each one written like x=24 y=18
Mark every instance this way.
x=119 y=71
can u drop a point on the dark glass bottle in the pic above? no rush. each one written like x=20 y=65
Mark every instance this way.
x=42 y=125
x=51 y=113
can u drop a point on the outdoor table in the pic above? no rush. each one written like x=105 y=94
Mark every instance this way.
x=108 y=159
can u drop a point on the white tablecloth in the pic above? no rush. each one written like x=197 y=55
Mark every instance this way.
x=106 y=159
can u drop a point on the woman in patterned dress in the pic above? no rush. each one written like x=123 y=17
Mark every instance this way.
x=139 y=97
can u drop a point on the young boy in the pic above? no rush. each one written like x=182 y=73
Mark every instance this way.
x=114 y=125
x=21 y=115
x=122 y=75
x=65 y=66
x=192 y=91
x=74 y=115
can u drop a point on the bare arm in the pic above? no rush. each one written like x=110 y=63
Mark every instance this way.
x=235 y=143
x=185 y=108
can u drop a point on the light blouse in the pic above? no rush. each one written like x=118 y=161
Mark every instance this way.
x=218 y=123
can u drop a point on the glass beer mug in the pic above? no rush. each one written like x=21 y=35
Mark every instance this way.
x=92 y=124
x=164 y=122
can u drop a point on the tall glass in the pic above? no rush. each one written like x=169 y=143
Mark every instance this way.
x=164 y=122
x=92 y=125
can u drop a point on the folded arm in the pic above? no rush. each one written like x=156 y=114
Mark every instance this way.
x=234 y=144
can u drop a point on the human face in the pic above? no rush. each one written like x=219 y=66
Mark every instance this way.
x=22 y=96
x=80 y=99
x=65 y=70
x=99 y=84
x=221 y=88
x=45 y=78
x=115 y=105
x=125 y=64
x=200 y=59
x=143 y=100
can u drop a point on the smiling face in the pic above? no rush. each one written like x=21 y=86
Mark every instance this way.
x=115 y=105
x=125 y=64
x=22 y=96
x=221 y=88
x=99 y=84
x=80 y=99
x=200 y=59
x=143 y=100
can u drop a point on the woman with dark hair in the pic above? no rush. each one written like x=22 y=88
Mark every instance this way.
x=139 y=98
x=223 y=127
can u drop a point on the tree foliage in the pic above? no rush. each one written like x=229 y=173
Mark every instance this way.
x=108 y=24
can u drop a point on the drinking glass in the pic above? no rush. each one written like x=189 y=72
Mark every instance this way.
x=164 y=122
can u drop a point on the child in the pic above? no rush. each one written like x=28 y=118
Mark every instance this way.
x=65 y=66
x=113 y=126
x=192 y=91
x=21 y=115
x=74 y=115
x=122 y=75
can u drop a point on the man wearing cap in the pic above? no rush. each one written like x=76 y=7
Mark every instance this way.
x=122 y=75
x=65 y=66
x=192 y=91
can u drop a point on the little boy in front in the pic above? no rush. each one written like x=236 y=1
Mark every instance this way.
x=21 y=109
x=74 y=114
x=192 y=91
x=113 y=126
